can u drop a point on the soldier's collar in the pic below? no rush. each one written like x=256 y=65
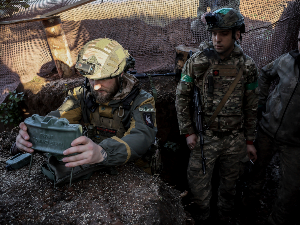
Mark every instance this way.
x=236 y=52
x=129 y=81
x=295 y=54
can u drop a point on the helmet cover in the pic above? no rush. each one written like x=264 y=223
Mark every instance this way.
x=103 y=58
x=225 y=18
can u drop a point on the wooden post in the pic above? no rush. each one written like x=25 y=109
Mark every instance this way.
x=59 y=47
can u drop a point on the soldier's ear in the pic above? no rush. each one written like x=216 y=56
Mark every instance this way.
x=237 y=34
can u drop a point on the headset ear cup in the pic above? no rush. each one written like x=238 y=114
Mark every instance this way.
x=130 y=63
x=121 y=84
x=242 y=28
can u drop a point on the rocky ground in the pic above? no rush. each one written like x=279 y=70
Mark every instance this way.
x=125 y=198
x=129 y=197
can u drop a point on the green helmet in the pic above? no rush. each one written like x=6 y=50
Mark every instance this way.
x=225 y=18
x=103 y=58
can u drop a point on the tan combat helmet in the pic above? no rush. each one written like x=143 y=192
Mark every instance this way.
x=103 y=58
x=225 y=18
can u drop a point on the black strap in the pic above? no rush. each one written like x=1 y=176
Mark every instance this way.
x=126 y=102
x=212 y=53
x=154 y=92
x=89 y=102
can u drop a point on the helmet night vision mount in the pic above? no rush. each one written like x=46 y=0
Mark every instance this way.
x=225 y=18
x=85 y=68
x=103 y=58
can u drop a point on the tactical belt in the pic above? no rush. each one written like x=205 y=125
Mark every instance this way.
x=221 y=134
x=126 y=102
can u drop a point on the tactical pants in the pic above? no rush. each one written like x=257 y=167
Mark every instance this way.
x=230 y=150
x=288 y=194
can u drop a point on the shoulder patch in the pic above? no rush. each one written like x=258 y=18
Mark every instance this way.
x=148 y=119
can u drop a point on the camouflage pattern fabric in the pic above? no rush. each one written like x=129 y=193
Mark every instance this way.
x=236 y=121
x=239 y=110
x=286 y=206
x=227 y=18
x=213 y=6
x=230 y=150
x=107 y=55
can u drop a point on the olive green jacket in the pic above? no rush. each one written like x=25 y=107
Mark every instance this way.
x=139 y=121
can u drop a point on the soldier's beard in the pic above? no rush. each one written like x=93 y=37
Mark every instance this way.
x=107 y=93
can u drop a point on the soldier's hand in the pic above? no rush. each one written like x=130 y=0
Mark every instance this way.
x=89 y=152
x=251 y=151
x=191 y=141
x=22 y=142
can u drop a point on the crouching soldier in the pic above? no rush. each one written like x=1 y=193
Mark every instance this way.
x=119 y=115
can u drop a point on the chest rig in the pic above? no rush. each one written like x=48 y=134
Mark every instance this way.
x=216 y=82
x=105 y=121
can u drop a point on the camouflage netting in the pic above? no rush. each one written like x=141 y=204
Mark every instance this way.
x=149 y=29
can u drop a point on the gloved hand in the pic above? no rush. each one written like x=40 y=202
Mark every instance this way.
x=260 y=110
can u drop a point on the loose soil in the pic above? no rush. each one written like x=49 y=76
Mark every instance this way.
x=129 y=197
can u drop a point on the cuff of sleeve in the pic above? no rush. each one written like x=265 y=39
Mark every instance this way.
x=249 y=142
x=187 y=135
x=107 y=155
x=188 y=130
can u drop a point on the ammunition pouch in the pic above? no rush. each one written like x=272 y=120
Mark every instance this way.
x=210 y=91
x=222 y=134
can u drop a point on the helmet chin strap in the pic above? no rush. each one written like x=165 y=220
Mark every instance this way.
x=233 y=34
x=121 y=84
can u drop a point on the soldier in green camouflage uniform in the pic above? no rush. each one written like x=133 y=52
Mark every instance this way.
x=279 y=132
x=232 y=133
x=120 y=116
